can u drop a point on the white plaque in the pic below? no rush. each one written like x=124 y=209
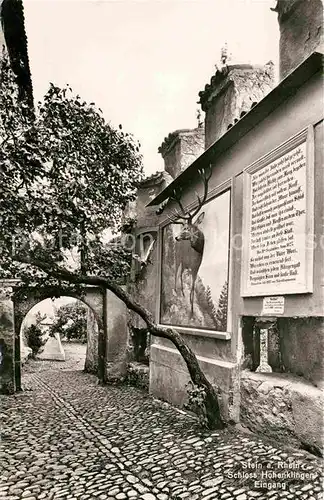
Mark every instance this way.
x=273 y=306
x=278 y=217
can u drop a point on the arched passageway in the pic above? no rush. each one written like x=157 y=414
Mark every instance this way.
x=59 y=330
x=110 y=315
x=29 y=302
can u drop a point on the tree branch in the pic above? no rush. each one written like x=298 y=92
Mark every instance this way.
x=196 y=374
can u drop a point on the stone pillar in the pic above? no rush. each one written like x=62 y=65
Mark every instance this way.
x=91 y=361
x=274 y=353
x=265 y=326
x=117 y=339
x=7 y=344
x=301 y=31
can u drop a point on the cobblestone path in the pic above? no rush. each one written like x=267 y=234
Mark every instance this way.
x=66 y=437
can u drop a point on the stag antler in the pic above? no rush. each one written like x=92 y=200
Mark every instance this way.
x=205 y=174
x=176 y=196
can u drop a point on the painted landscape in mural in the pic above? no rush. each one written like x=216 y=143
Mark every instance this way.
x=194 y=287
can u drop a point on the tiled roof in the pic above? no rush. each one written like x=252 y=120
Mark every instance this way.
x=243 y=113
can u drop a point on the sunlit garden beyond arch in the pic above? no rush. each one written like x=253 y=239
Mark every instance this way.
x=56 y=330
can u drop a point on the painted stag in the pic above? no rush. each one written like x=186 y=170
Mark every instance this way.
x=191 y=240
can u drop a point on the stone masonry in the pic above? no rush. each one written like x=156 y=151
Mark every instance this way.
x=283 y=407
x=231 y=93
x=181 y=148
x=301 y=31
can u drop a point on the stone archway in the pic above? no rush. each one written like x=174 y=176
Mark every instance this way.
x=110 y=313
x=25 y=299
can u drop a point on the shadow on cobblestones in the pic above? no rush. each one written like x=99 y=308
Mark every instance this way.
x=69 y=438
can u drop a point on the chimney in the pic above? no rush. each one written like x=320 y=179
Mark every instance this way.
x=181 y=148
x=147 y=190
x=301 y=31
x=232 y=91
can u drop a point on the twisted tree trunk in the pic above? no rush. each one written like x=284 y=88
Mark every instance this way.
x=198 y=377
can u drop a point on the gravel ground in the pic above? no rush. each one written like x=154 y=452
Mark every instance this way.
x=75 y=354
x=66 y=437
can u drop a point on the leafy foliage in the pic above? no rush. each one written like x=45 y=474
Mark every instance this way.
x=140 y=344
x=65 y=177
x=34 y=335
x=197 y=402
x=71 y=322
x=128 y=225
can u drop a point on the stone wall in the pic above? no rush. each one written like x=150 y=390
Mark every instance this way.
x=302 y=347
x=169 y=377
x=145 y=287
x=284 y=408
x=301 y=31
x=145 y=278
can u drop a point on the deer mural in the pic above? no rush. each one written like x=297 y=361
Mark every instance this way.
x=191 y=240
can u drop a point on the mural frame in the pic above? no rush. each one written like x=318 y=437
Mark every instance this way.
x=198 y=331
x=306 y=136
